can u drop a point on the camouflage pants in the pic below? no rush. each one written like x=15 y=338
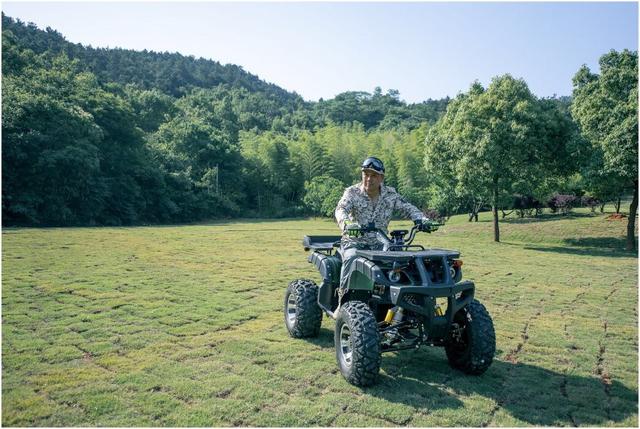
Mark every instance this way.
x=348 y=256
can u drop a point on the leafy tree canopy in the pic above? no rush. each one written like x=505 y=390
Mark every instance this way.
x=606 y=108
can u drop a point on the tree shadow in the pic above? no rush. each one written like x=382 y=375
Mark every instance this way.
x=598 y=242
x=590 y=246
x=546 y=217
x=610 y=253
x=422 y=379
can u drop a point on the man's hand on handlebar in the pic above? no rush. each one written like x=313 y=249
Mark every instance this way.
x=425 y=225
x=353 y=229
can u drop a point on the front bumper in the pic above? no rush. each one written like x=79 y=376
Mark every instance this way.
x=458 y=296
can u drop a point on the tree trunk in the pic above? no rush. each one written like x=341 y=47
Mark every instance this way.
x=496 y=227
x=473 y=216
x=631 y=226
x=618 y=205
x=504 y=213
x=602 y=207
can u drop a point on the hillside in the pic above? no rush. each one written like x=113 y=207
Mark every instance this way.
x=147 y=136
x=172 y=73
x=176 y=75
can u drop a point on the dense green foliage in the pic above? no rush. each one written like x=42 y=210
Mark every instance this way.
x=498 y=142
x=171 y=73
x=71 y=151
x=322 y=194
x=113 y=136
x=606 y=108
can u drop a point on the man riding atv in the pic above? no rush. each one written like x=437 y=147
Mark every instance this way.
x=370 y=201
x=385 y=293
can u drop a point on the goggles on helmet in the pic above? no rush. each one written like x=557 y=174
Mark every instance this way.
x=373 y=163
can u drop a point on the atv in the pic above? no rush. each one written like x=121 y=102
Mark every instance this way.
x=398 y=298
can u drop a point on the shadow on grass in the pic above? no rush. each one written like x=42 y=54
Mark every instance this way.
x=534 y=395
x=324 y=339
x=598 y=242
x=610 y=253
x=591 y=246
x=547 y=217
x=544 y=217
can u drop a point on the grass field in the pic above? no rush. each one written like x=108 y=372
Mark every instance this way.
x=183 y=326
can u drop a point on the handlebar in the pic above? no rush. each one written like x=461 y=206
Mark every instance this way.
x=388 y=243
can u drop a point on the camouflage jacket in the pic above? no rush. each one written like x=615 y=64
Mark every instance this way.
x=356 y=206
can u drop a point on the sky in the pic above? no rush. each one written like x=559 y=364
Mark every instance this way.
x=320 y=49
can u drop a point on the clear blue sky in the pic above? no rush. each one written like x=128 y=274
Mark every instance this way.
x=425 y=50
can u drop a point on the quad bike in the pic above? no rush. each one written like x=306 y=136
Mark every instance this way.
x=397 y=298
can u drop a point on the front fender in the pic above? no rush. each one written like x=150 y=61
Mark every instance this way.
x=363 y=274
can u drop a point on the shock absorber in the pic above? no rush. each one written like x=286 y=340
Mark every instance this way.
x=394 y=315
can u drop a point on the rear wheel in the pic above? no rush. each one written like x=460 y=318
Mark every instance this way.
x=302 y=315
x=473 y=344
x=357 y=344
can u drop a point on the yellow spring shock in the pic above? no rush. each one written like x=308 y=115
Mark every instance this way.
x=390 y=313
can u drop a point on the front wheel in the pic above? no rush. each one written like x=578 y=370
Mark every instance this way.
x=302 y=315
x=357 y=344
x=473 y=343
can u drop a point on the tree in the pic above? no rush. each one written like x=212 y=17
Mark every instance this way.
x=278 y=181
x=605 y=186
x=322 y=195
x=199 y=145
x=71 y=151
x=412 y=181
x=14 y=59
x=489 y=140
x=310 y=156
x=151 y=107
x=606 y=108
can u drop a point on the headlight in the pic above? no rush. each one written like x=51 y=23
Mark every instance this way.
x=394 y=276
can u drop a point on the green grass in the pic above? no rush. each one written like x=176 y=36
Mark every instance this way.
x=183 y=326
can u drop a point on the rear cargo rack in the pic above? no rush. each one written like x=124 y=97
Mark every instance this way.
x=321 y=242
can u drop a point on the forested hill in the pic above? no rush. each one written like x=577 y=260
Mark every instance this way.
x=119 y=137
x=172 y=73
x=113 y=136
x=259 y=102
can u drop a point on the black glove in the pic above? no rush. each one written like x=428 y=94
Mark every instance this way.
x=426 y=225
x=352 y=229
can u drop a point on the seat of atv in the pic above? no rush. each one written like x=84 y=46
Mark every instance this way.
x=321 y=242
x=400 y=256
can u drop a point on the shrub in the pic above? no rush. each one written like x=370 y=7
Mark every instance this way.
x=434 y=214
x=526 y=205
x=589 y=201
x=322 y=195
x=563 y=203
